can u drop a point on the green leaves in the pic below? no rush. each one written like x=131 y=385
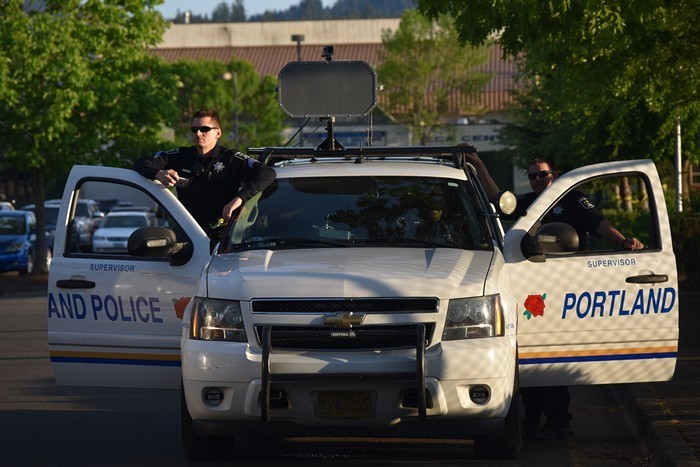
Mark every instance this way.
x=81 y=82
x=423 y=67
x=600 y=80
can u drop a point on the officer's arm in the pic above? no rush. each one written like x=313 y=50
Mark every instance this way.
x=607 y=231
x=256 y=177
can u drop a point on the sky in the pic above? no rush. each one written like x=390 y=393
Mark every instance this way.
x=205 y=7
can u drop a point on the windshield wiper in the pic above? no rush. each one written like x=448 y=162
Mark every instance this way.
x=394 y=241
x=282 y=242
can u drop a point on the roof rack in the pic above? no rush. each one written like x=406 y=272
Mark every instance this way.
x=271 y=155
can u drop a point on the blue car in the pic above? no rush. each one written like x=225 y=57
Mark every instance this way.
x=18 y=242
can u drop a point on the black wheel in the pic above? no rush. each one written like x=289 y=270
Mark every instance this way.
x=29 y=267
x=202 y=448
x=509 y=444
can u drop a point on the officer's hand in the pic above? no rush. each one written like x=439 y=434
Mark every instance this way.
x=231 y=207
x=465 y=148
x=632 y=243
x=470 y=154
x=167 y=177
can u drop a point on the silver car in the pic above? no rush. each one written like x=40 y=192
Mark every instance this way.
x=113 y=231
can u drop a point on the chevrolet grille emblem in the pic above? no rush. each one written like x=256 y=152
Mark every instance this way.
x=343 y=320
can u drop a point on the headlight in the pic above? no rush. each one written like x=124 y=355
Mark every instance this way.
x=99 y=238
x=470 y=318
x=13 y=247
x=217 y=320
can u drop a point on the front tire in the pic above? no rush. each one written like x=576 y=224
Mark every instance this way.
x=202 y=448
x=510 y=443
x=29 y=267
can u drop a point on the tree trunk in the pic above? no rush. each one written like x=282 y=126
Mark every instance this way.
x=627 y=204
x=644 y=201
x=687 y=182
x=40 y=255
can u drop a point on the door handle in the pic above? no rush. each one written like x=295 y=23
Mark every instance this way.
x=647 y=279
x=74 y=284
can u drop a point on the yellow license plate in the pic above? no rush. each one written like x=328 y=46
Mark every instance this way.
x=344 y=404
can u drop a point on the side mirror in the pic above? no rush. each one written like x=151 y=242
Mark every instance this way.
x=552 y=238
x=159 y=242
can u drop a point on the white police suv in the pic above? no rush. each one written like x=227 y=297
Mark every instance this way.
x=367 y=291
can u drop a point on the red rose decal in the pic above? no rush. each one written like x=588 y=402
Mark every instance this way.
x=534 y=305
x=180 y=304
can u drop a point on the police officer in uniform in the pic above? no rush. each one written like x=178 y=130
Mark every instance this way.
x=211 y=180
x=577 y=210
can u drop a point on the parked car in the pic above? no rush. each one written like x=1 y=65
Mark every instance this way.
x=106 y=205
x=6 y=206
x=87 y=216
x=113 y=232
x=132 y=209
x=18 y=242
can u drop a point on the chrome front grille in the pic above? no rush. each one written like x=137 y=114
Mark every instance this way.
x=355 y=305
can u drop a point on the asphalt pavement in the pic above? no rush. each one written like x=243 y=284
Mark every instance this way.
x=666 y=415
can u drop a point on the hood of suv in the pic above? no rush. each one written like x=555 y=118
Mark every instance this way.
x=349 y=272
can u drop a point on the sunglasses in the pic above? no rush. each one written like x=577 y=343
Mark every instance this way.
x=203 y=129
x=540 y=174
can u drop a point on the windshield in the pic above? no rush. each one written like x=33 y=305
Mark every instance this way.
x=51 y=214
x=360 y=211
x=12 y=225
x=81 y=210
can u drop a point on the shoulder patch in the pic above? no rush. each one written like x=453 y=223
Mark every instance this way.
x=168 y=152
x=585 y=202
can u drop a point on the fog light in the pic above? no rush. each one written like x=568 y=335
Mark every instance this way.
x=479 y=394
x=213 y=396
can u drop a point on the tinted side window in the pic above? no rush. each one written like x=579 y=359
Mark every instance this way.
x=622 y=200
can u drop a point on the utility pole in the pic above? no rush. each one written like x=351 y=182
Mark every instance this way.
x=233 y=76
x=679 y=168
x=299 y=38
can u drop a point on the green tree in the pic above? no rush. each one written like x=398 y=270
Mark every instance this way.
x=422 y=67
x=600 y=80
x=220 y=13
x=237 y=14
x=224 y=14
x=248 y=100
x=77 y=86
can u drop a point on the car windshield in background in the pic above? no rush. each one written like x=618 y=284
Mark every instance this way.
x=12 y=225
x=360 y=211
x=124 y=221
x=51 y=214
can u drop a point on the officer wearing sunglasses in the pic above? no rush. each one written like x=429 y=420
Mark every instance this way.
x=576 y=209
x=212 y=181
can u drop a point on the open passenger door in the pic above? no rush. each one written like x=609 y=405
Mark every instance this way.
x=601 y=314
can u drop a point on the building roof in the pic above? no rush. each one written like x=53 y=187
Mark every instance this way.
x=269 y=54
